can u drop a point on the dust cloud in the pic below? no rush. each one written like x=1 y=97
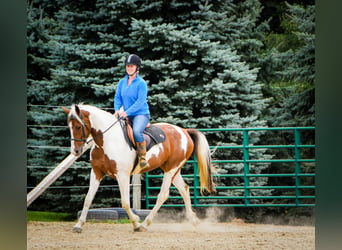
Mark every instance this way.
x=218 y=220
x=208 y=222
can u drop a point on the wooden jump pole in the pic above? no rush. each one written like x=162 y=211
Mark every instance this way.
x=54 y=174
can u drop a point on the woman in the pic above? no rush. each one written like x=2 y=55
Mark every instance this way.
x=130 y=101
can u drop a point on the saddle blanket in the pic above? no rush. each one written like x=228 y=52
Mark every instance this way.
x=152 y=134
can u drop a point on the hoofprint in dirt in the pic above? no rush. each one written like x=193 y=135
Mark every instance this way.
x=206 y=235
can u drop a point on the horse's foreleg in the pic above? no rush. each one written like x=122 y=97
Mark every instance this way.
x=183 y=189
x=93 y=186
x=123 y=181
x=162 y=196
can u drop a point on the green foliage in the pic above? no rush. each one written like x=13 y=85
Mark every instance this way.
x=48 y=216
x=293 y=54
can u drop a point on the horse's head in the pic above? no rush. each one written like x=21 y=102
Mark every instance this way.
x=79 y=125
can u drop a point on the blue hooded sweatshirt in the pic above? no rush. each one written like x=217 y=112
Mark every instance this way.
x=133 y=97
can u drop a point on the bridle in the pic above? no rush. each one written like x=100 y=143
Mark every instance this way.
x=84 y=125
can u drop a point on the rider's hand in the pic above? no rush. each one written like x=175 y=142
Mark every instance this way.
x=117 y=113
x=123 y=114
x=120 y=113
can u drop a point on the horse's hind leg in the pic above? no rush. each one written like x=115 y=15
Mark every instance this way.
x=183 y=189
x=162 y=196
x=93 y=186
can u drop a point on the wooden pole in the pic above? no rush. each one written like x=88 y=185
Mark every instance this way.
x=136 y=183
x=53 y=175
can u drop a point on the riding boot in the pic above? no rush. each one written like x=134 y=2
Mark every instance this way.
x=141 y=148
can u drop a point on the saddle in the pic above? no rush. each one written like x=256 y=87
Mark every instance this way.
x=152 y=134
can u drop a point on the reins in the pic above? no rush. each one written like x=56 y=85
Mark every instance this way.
x=102 y=133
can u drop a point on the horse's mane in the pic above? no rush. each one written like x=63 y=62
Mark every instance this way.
x=91 y=109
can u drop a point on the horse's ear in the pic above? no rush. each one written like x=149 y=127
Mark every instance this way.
x=77 y=109
x=67 y=111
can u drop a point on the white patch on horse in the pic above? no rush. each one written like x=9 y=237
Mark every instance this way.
x=72 y=137
x=119 y=151
x=184 y=140
x=154 y=151
x=74 y=114
x=114 y=143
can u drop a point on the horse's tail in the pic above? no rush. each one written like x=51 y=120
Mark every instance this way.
x=202 y=153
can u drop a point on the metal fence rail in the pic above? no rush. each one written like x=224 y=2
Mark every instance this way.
x=297 y=195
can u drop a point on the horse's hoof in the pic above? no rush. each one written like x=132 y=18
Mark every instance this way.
x=77 y=229
x=140 y=229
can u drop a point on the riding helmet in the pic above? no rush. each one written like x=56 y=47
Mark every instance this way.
x=133 y=59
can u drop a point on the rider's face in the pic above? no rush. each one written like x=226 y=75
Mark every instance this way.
x=131 y=69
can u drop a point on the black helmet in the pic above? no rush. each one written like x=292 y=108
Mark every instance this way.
x=133 y=59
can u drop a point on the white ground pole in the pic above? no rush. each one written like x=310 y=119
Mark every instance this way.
x=54 y=174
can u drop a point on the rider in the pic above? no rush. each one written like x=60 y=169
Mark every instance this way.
x=130 y=101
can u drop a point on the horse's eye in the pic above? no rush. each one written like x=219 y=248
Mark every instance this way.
x=78 y=127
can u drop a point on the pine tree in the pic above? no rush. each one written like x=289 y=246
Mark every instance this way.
x=290 y=81
x=293 y=85
x=61 y=72
x=39 y=91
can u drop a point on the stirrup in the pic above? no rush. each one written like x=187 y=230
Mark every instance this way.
x=138 y=167
x=143 y=163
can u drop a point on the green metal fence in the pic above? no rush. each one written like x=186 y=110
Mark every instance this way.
x=297 y=189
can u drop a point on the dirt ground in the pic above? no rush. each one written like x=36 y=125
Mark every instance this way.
x=207 y=235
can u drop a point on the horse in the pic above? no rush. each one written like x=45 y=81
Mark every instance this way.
x=111 y=155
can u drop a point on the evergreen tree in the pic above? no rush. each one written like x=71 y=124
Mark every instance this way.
x=63 y=71
x=293 y=86
x=39 y=91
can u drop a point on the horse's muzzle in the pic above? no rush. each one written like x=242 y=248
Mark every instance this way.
x=77 y=151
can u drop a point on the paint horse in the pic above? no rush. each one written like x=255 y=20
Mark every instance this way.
x=111 y=155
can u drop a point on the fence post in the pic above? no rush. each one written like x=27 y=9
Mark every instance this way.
x=136 y=183
x=147 y=192
x=297 y=142
x=245 y=141
x=196 y=183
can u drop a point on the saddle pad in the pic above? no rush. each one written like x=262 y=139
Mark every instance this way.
x=155 y=134
x=152 y=135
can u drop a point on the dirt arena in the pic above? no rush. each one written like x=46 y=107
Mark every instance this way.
x=207 y=235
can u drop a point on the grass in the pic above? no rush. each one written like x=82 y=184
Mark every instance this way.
x=53 y=216
x=48 y=216
x=119 y=221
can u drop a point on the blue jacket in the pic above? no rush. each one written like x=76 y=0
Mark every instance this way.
x=133 y=97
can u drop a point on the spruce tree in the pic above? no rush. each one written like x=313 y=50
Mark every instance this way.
x=290 y=82
x=39 y=91
x=292 y=87
x=65 y=70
